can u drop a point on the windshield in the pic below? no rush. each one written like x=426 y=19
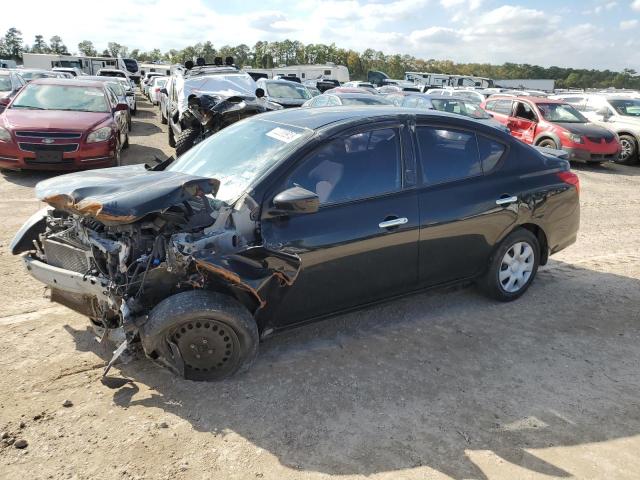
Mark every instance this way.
x=5 y=84
x=239 y=154
x=561 y=112
x=363 y=100
x=627 y=107
x=61 y=97
x=131 y=64
x=282 y=90
x=159 y=82
x=112 y=74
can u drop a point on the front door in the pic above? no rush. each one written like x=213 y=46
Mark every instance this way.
x=524 y=122
x=362 y=243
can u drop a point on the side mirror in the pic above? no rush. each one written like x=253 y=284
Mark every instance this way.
x=604 y=112
x=164 y=91
x=296 y=200
x=259 y=92
x=121 y=107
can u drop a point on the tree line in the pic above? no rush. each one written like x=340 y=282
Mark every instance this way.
x=292 y=52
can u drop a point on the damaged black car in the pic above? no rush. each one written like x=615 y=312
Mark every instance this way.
x=206 y=98
x=286 y=218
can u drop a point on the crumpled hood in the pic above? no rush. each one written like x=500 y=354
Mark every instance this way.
x=586 y=129
x=123 y=194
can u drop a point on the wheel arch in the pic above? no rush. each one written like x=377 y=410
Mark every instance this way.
x=540 y=234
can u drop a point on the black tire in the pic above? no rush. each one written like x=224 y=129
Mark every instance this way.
x=629 y=153
x=491 y=283
x=133 y=112
x=215 y=335
x=548 y=143
x=186 y=140
x=172 y=138
x=163 y=119
x=126 y=142
x=129 y=126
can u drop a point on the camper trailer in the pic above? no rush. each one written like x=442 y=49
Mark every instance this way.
x=89 y=65
x=329 y=71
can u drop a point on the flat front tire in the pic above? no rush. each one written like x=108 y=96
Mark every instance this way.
x=201 y=334
x=513 y=266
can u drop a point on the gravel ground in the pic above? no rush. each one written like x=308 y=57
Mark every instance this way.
x=443 y=384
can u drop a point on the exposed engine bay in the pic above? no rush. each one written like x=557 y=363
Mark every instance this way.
x=114 y=263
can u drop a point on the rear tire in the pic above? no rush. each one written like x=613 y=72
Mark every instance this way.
x=163 y=119
x=629 y=150
x=186 y=140
x=215 y=335
x=512 y=267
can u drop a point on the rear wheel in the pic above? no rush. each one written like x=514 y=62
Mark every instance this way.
x=186 y=140
x=513 y=266
x=548 y=143
x=628 y=150
x=204 y=335
x=163 y=119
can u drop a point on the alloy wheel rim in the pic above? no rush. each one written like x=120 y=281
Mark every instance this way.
x=625 y=149
x=516 y=267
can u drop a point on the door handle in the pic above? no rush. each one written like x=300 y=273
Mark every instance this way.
x=393 y=223
x=506 y=200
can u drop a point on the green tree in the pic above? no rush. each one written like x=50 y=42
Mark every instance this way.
x=13 y=43
x=86 y=48
x=40 y=46
x=114 y=48
x=57 y=46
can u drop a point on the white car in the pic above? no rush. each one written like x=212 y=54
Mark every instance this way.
x=470 y=95
x=146 y=82
x=154 y=89
x=617 y=112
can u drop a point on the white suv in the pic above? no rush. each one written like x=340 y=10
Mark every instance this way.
x=620 y=113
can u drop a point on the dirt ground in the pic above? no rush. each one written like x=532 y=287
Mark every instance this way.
x=444 y=384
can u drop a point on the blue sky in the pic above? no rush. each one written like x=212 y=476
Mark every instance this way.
x=587 y=33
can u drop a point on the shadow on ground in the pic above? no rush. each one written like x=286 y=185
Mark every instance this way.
x=421 y=380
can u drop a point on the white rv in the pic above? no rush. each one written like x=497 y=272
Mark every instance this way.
x=329 y=71
x=438 y=80
x=165 y=69
x=89 y=65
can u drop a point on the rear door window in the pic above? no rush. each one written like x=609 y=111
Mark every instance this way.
x=363 y=165
x=500 y=106
x=447 y=154
x=490 y=151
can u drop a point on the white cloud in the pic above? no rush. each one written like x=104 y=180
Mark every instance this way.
x=628 y=24
x=636 y=5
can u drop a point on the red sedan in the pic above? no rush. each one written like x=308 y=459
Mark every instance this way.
x=554 y=124
x=60 y=124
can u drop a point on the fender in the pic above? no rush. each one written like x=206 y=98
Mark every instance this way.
x=548 y=134
x=29 y=232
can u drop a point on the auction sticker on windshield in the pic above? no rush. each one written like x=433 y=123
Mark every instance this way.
x=282 y=134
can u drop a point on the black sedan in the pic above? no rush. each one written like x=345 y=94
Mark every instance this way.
x=313 y=214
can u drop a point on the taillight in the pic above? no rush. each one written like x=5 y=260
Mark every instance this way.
x=157 y=89
x=5 y=101
x=570 y=178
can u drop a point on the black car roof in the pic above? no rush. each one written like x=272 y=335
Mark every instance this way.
x=317 y=118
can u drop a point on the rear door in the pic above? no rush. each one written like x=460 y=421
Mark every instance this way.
x=524 y=122
x=362 y=244
x=465 y=205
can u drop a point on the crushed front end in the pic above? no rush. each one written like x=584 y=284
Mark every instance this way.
x=112 y=248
